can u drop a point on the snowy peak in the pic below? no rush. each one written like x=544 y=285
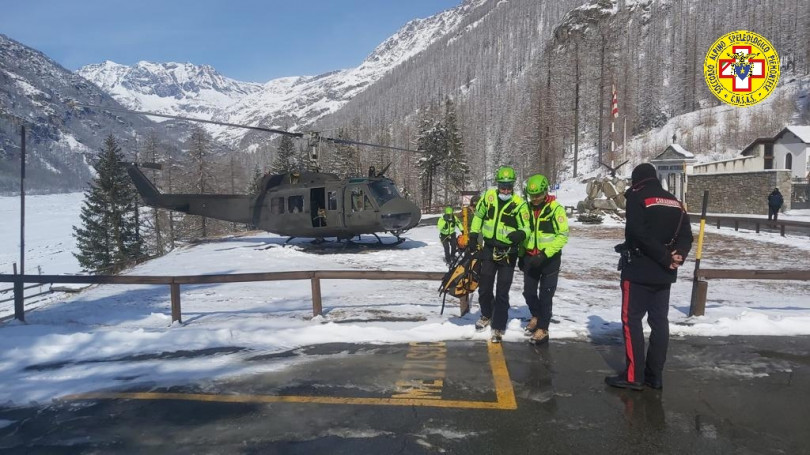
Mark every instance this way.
x=291 y=102
x=170 y=88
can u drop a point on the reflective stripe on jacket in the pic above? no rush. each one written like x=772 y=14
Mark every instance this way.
x=548 y=229
x=496 y=219
x=447 y=228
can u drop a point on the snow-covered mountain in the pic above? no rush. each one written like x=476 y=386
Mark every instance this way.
x=37 y=92
x=289 y=103
x=169 y=88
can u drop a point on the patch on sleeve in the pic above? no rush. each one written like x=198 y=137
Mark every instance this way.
x=660 y=201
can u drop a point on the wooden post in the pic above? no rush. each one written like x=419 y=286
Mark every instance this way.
x=19 y=306
x=736 y=225
x=695 y=281
x=464 y=304
x=175 y=291
x=757 y=224
x=317 y=307
x=700 y=302
x=782 y=229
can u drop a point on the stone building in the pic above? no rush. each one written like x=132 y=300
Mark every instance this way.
x=741 y=185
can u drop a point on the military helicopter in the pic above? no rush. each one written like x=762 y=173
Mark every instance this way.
x=296 y=204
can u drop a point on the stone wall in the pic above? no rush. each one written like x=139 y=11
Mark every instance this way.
x=742 y=192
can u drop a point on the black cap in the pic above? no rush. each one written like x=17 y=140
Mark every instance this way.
x=643 y=171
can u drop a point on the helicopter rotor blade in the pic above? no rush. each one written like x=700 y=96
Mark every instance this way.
x=235 y=125
x=348 y=142
x=177 y=117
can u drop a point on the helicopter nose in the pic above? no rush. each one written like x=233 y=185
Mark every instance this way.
x=399 y=214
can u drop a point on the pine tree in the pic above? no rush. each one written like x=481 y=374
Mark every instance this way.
x=432 y=145
x=456 y=168
x=255 y=185
x=108 y=239
x=285 y=157
x=343 y=159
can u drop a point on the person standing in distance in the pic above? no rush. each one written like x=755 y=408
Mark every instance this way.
x=543 y=252
x=775 y=201
x=657 y=238
x=448 y=224
x=502 y=221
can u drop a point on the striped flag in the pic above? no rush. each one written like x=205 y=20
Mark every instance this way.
x=615 y=108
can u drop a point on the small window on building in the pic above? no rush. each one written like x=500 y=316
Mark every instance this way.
x=277 y=205
x=295 y=204
x=788 y=161
x=332 y=201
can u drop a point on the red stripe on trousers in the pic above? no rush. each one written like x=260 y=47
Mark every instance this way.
x=628 y=341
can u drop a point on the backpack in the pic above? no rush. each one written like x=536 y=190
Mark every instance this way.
x=462 y=277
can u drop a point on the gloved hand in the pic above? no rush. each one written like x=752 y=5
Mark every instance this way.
x=472 y=242
x=516 y=237
x=533 y=262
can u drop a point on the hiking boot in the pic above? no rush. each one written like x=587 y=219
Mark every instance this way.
x=482 y=323
x=539 y=336
x=530 y=327
x=622 y=383
x=497 y=336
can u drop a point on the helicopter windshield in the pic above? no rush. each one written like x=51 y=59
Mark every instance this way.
x=383 y=190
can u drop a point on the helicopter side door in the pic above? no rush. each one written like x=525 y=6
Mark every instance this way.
x=359 y=210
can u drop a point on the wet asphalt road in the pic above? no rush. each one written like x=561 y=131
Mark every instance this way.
x=735 y=395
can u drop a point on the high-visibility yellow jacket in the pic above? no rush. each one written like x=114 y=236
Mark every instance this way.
x=496 y=219
x=448 y=227
x=548 y=226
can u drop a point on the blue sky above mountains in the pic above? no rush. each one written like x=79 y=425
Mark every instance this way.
x=245 y=40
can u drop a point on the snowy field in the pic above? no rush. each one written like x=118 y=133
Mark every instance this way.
x=91 y=335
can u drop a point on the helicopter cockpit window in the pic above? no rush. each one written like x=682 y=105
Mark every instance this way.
x=332 y=200
x=277 y=205
x=383 y=191
x=295 y=204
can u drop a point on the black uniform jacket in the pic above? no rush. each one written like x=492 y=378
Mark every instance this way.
x=653 y=217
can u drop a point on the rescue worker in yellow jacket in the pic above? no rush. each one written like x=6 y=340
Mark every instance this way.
x=448 y=224
x=541 y=255
x=502 y=220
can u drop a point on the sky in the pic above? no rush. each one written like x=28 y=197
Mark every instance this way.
x=106 y=336
x=246 y=40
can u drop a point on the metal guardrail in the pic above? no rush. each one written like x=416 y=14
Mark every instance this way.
x=758 y=223
x=174 y=282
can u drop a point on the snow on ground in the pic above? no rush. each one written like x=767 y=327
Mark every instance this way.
x=121 y=335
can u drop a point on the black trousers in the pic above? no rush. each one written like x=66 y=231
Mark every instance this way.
x=773 y=212
x=449 y=244
x=638 y=299
x=495 y=305
x=539 y=285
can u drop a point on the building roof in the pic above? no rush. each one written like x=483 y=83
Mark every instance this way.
x=674 y=152
x=749 y=149
x=801 y=131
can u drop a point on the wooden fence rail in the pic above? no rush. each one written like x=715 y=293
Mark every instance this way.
x=174 y=282
x=740 y=274
x=757 y=223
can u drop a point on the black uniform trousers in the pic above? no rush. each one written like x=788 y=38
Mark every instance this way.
x=495 y=306
x=449 y=244
x=638 y=299
x=539 y=285
x=773 y=213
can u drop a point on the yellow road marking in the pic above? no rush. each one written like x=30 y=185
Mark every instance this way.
x=503 y=391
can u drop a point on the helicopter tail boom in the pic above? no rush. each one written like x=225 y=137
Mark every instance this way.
x=227 y=207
